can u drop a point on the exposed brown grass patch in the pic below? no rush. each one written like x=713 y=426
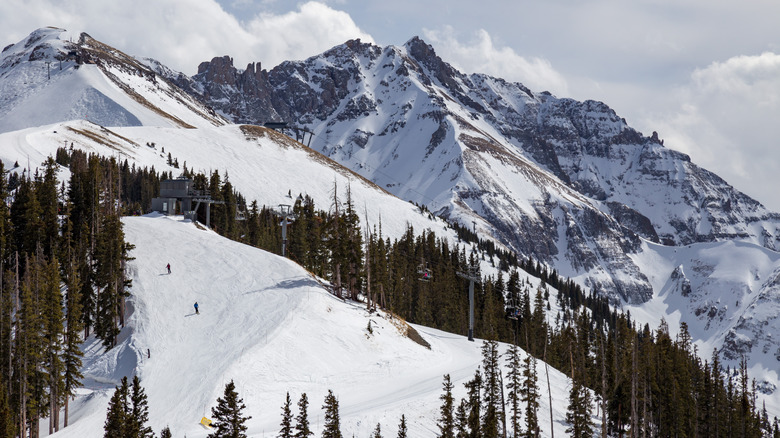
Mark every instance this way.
x=96 y=137
x=104 y=137
x=254 y=132
x=103 y=56
x=405 y=329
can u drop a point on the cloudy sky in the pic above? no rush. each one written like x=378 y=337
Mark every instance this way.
x=704 y=74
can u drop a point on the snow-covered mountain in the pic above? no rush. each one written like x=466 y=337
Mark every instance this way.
x=567 y=182
x=45 y=79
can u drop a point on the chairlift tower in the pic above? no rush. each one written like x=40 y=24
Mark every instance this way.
x=471 y=276
x=285 y=211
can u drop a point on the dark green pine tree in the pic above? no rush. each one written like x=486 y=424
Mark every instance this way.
x=72 y=354
x=46 y=192
x=473 y=405
x=166 y=432
x=530 y=396
x=30 y=353
x=253 y=225
x=332 y=421
x=353 y=241
x=9 y=345
x=447 y=410
x=118 y=411
x=491 y=393
x=218 y=215
x=25 y=215
x=462 y=420
x=228 y=210
x=139 y=413
x=377 y=433
x=228 y=415
x=302 y=420
x=53 y=332
x=514 y=389
x=578 y=413
x=5 y=219
x=287 y=427
x=7 y=428
x=402 y=427
x=111 y=255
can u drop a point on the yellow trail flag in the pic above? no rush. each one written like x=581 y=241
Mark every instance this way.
x=205 y=422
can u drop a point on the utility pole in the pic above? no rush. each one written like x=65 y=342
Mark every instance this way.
x=48 y=71
x=285 y=211
x=471 y=276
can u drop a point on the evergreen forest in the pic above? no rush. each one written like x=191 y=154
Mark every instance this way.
x=63 y=257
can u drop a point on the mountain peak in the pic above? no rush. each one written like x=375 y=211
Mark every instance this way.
x=41 y=44
x=354 y=47
x=424 y=54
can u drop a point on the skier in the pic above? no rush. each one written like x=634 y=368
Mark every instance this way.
x=169 y=268
x=196 y=308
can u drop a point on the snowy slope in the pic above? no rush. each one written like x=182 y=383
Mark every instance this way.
x=260 y=163
x=44 y=79
x=269 y=326
x=727 y=294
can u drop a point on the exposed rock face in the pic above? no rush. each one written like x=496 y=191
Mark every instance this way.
x=565 y=181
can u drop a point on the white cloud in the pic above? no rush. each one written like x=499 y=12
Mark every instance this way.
x=482 y=55
x=727 y=120
x=310 y=30
x=183 y=33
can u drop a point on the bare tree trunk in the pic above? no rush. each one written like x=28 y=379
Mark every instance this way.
x=549 y=390
x=53 y=420
x=337 y=286
x=337 y=237
x=603 y=390
x=634 y=389
x=23 y=398
x=368 y=278
x=503 y=401
x=53 y=411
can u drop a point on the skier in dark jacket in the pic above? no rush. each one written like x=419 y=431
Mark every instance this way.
x=169 y=268
x=196 y=308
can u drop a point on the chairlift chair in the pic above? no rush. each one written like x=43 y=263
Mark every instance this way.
x=425 y=273
x=512 y=311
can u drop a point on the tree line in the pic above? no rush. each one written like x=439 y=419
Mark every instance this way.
x=62 y=279
x=128 y=413
x=641 y=382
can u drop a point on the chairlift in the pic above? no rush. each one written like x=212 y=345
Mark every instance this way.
x=512 y=311
x=425 y=273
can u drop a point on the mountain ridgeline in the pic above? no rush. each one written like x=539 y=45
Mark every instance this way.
x=567 y=182
x=563 y=190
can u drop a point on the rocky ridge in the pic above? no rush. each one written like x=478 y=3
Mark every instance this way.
x=470 y=146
